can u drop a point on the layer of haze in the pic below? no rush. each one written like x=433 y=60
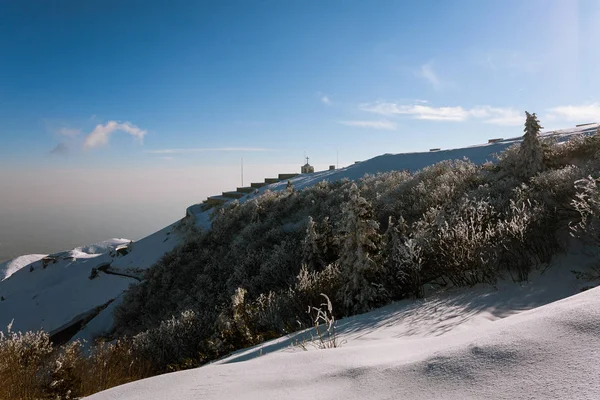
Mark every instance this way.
x=52 y=210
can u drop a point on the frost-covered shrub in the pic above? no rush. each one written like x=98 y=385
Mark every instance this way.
x=459 y=243
x=311 y=284
x=236 y=325
x=112 y=364
x=587 y=204
x=436 y=185
x=515 y=231
x=403 y=260
x=578 y=150
x=529 y=231
x=509 y=161
x=31 y=368
x=498 y=191
x=555 y=189
x=174 y=343
x=22 y=357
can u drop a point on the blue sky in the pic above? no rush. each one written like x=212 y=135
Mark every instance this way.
x=119 y=89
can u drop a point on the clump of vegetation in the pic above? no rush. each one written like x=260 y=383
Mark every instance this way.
x=363 y=244
x=32 y=368
x=325 y=336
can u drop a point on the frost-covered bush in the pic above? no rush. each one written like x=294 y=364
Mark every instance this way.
x=578 y=150
x=587 y=204
x=22 y=358
x=516 y=230
x=403 y=260
x=236 y=325
x=509 y=161
x=311 y=284
x=459 y=242
x=436 y=185
x=32 y=368
x=555 y=189
x=175 y=343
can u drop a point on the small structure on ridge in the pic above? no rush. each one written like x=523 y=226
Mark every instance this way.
x=307 y=168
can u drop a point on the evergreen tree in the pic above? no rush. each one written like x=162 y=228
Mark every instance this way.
x=327 y=242
x=311 y=253
x=357 y=254
x=531 y=154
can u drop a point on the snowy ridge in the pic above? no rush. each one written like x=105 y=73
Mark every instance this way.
x=9 y=267
x=478 y=154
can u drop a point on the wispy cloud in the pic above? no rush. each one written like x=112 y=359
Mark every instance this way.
x=324 y=98
x=381 y=124
x=487 y=114
x=418 y=111
x=499 y=116
x=70 y=132
x=61 y=149
x=581 y=113
x=206 y=149
x=100 y=135
x=428 y=73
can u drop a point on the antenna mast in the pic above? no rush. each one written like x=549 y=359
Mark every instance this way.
x=242 y=171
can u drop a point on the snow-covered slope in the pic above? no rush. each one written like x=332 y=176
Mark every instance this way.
x=63 y=293
x=55 y=294
x=7 y=268
x=476 y=344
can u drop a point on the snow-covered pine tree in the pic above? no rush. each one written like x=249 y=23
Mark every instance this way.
x=531 y=153
x=358 y=250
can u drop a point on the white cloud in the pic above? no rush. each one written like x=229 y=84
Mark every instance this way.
x=70 y=132
x=99 y=136
x=487 y=114
x=205 y=149
x=582 y=113
x=427 y=72
x=324 y=98
x=418 y=111
x=499 y=116
x=382 y=124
